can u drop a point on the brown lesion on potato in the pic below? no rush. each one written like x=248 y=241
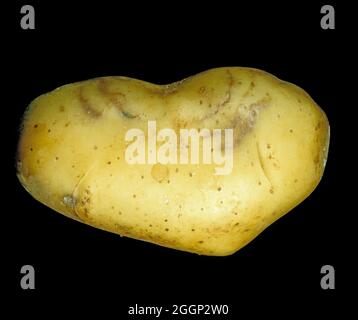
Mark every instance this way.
x=241 y=118
x=219 y=231
x=205 y=96
x=214 y=113
x=226 y=98
x=250 y=89
x=87 y=106
x=202 y=90
x=115 y=98
x=123 y=229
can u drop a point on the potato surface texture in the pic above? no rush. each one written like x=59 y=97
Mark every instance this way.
x=72 y=147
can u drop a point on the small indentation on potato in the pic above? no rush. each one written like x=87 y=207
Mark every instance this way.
x=159 y=172
x=69 y=201
x=316 y=159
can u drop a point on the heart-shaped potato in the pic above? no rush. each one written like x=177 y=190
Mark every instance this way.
x=112 y=152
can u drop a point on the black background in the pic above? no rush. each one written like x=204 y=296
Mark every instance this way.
x=85 y=269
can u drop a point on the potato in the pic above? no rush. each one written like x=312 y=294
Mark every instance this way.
x=79 y=144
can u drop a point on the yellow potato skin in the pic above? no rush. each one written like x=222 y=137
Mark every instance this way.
x=71 y=157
